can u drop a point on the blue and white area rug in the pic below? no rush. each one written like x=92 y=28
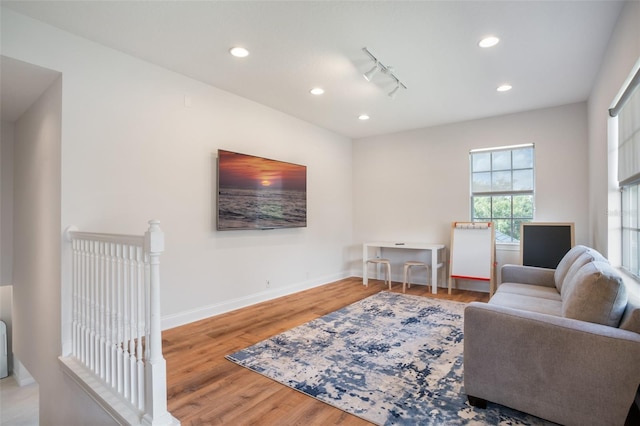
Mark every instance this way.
x=391 y=359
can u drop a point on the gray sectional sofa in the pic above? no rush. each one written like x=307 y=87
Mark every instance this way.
x=562 y=344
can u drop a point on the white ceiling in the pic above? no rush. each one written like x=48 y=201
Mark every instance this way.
x=550 y=51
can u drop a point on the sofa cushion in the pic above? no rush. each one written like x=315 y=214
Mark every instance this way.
x=596 y=293
x=590 y=255
x=528 y=275
x=539 y=291
x=565 y=263
x=527 y=303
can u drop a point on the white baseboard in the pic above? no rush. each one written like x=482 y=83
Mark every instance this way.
x=21 y=374
x=471 y=285
x=176 y=320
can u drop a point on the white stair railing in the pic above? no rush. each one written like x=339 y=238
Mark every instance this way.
x=116 y=331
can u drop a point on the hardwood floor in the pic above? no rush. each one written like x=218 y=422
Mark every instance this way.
x=206 y=389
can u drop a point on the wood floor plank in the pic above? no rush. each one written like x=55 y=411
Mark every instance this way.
x=204 y=388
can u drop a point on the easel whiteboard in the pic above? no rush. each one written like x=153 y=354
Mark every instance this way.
x=544 y=244
x=472 y=252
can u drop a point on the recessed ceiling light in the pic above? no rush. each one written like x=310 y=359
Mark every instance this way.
x=317 y=91
x=363 y=117
x=489 y=41
x=504 y=88
x=239 y=52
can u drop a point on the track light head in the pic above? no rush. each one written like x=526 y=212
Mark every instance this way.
x=392 y=94
x=369 y=74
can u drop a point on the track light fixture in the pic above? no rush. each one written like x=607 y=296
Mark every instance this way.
x=369 y=74
x=392 y=94
x=386 y=70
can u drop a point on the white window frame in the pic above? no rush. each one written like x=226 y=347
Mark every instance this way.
x=625 y=115
x=514 y=222
x=630 y=228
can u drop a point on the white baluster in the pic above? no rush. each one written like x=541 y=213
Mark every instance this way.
x=132 y=324
x=107 y=313
x=85 y=303
x=140 y=326
x=74 y=291
x=103 y=313
x=92 y=299
x=114 y=315
x=80 y=301
x=96 y=307
x=119 y=339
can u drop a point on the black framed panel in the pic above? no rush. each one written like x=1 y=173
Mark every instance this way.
x=544 y=244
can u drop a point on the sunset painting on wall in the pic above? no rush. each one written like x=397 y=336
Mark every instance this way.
x=259 y=193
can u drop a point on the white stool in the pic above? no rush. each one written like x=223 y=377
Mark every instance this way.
x=385 y=262
x=407 y=272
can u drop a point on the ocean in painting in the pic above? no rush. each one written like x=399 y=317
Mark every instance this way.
x=261 y=209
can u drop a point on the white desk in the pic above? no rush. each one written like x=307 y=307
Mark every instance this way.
x=378 y=246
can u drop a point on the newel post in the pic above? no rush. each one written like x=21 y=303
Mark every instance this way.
x=155 y=366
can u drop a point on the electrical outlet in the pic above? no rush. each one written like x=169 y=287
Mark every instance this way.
x=268 y=284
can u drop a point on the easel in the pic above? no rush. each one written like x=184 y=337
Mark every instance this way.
x=473 y=253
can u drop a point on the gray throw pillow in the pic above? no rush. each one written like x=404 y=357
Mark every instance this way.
x=596 y=293
x=565 y=263
x=590 y=255
x=631 y=317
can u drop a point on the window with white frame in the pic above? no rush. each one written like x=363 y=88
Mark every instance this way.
x=502 y=188
x=627 y=111
x=630 y=229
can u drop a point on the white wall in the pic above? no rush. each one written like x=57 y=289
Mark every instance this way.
x=37 y=251
x=622 y=53
x=131 y=151
x=410 y=186
x=6 y=232
x=6 y=315
x=6 y=202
